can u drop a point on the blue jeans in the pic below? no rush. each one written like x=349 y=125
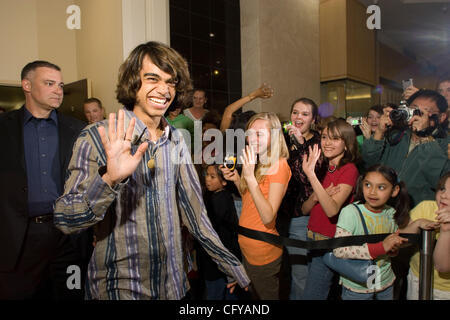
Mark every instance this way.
x=319 y=278
x=298 y=257
x=217 y=290
x=386 y=294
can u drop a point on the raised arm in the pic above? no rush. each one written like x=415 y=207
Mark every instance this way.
x=331 y=205
x=263 y=92
x=267 y=208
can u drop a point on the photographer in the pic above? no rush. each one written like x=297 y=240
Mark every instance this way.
x=416 y=147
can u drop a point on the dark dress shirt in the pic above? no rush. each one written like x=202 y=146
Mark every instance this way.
x=42 y=162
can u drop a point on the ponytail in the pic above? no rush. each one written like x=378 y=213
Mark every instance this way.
x=402 y=205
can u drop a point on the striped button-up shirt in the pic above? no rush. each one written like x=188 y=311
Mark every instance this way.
x=139 y=252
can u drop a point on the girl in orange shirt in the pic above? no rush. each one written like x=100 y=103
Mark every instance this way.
x=265 y=177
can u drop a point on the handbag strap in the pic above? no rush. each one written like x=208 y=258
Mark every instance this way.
x=363 y=221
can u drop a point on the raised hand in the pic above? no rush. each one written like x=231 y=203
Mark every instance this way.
x=248 y=160
x=365 y=128
x=385 y=121
x=120 y=163
x=310 y=160
x=263 y=92
x=409 y=92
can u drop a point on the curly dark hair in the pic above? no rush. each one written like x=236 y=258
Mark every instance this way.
x=166 y=59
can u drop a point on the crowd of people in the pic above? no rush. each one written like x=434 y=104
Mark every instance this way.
x=124 y=199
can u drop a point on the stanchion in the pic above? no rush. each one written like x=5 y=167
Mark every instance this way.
x=426 y=265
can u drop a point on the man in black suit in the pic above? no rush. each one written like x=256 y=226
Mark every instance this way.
x=36 y=143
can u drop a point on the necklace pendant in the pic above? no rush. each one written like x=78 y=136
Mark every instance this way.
x=151 y=163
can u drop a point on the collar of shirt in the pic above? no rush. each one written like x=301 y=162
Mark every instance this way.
x=140 y=133
x=29 y=117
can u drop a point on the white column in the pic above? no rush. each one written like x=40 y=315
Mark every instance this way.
x=144 y=20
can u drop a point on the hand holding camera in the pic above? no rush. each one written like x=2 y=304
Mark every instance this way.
x=230 y=162
x=419 y=121
x=408 y=88
x=230 y=175
x=385 y=122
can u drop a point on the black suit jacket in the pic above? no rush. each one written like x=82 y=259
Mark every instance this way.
x=13 y=179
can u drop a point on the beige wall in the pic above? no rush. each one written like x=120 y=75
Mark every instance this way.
x=361 y=59
x=333 y=39
x=110 y=29
x=347 y=46
x=56 y=43
x=280 y=45
x=99 y=47
x=35 y=29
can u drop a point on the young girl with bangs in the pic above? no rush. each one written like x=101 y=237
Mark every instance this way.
x=262 y=185
x=339 y=148
x=382 y=204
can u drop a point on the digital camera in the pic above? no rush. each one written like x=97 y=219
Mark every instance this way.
x=230 y=162
x=403 y=113
x=354 y=121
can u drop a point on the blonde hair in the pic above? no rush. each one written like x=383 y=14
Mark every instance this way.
x=276 y=150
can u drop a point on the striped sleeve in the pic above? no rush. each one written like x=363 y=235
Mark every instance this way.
x=194 y=216
x=86 y=196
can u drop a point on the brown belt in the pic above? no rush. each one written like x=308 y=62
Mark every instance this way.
x=42 y=219
x=316 y=236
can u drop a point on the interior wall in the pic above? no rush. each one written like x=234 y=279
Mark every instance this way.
x=35 y=29
x=280 y=45
x=333 y=39
x=56 y=43
x=99 y=48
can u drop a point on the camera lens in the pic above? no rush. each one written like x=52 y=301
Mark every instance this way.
x=398 y=115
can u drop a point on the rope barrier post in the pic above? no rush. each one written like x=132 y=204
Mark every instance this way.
x=426 y=265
